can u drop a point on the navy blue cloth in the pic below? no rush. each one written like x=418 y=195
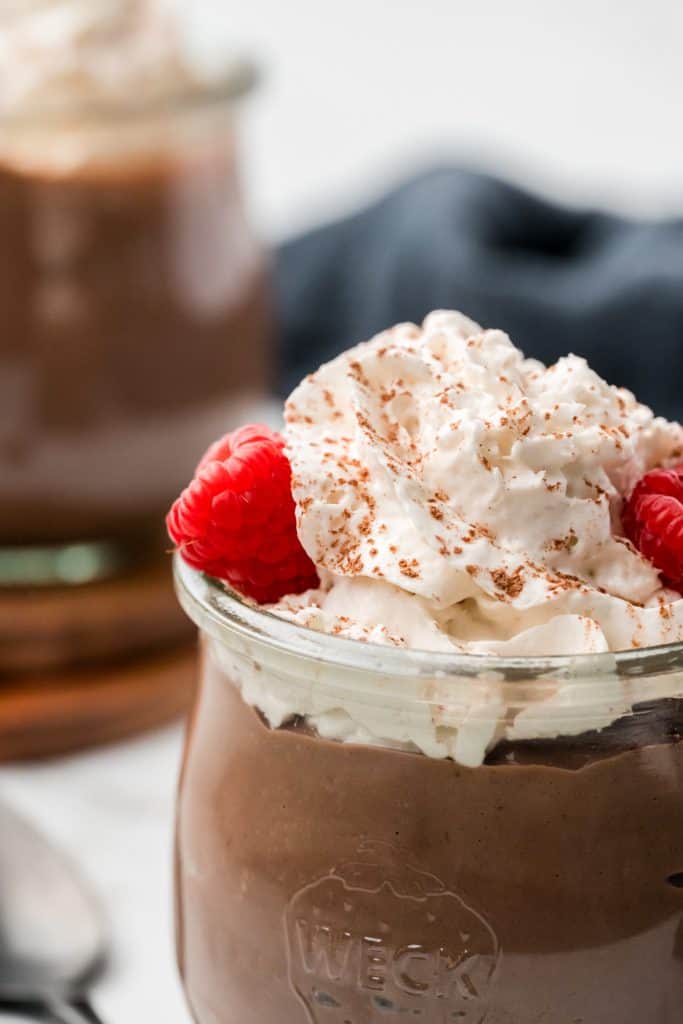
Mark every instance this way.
x=557 y=280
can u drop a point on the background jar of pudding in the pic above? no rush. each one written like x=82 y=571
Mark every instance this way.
x=135 y=317
x=334 y=866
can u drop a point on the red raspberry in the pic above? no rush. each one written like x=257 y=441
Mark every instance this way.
x=653 y=521
x=236 y=519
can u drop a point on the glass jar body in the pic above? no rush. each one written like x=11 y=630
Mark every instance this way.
x=320 y=880
x=136 y=317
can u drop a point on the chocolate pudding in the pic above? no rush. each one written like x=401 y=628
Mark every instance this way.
x=135 y=319
x=325 y=881
x=133 y=294
x=441 y=777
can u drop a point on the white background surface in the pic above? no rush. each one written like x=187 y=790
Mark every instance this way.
x=113 y=811
x=581 y=99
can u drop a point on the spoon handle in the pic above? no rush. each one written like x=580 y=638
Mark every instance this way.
x=78 y=1012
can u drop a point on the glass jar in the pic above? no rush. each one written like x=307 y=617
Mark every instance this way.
x=136 y=322
x=376 y=880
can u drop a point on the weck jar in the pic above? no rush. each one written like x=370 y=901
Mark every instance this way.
x=370 y=834
x=133 y=297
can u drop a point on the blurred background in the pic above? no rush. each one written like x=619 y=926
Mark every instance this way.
x=580 y=101
x=164 y=177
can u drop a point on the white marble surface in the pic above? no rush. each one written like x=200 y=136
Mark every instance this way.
x=581 y=99
x=112 y=810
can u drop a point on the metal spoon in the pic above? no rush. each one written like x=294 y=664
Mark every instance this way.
x=52 y=937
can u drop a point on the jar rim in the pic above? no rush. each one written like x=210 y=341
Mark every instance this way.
x=222 y=612
x=239 y=78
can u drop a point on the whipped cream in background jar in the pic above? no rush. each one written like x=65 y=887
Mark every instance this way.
x=446 y=785
x=133 y=295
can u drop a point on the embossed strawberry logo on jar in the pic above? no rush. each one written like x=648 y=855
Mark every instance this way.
x=378 y=939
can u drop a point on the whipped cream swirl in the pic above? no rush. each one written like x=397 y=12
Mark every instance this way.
x=73 y=71
x=457 y=496
x=61 y=55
